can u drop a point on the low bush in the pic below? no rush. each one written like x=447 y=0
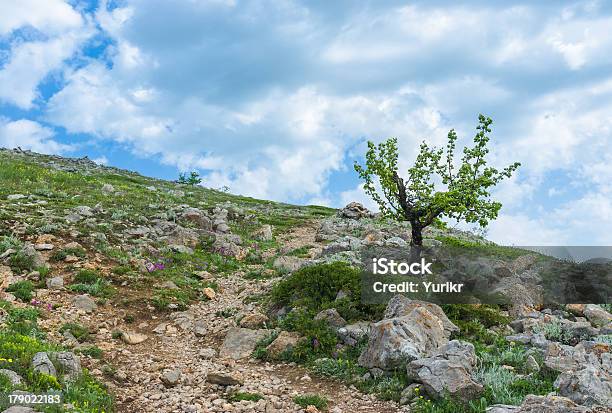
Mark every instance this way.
x=320 y=402
x=22 y=290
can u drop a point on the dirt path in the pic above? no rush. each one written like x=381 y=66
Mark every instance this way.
x=173 y=345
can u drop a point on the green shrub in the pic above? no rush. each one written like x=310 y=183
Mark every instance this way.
x=315 y=288
x=320 y=402
x=91 y=282
x=22 y=290
x=92 y=351
x=260 y=351
x=320 y=339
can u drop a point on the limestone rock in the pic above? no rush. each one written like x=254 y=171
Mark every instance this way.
x=240 y=342
x=42 y=364
x=395 y=341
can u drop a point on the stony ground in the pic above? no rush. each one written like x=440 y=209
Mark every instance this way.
x=172 y=346
x=169 y=283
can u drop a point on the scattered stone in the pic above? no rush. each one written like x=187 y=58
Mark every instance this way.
x=171 y=377
x=224 y=379
x=133 y=338
x=589 y=386
x=19 y=409
x=43 y=247
x=532 y=364
x=208 y=353
x=15 y=197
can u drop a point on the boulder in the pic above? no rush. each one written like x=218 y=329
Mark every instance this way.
x=550 y=404
x=395 y=341
x=400 y=305
x=84 y=302
x=448 y=372
x=42 y=364
x=224 y=379
x=285 y=341
x=239 y=343
x=69 y=363
x=55 y=283
x=264 y=233
x=589 y=386
x=19 y=409
x=13 y=377
x=355 y=210
x=133 y=338
x=597 y=315
x=197 y=217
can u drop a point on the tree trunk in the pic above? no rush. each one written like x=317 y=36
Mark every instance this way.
x=416 y=242
x=417 y=235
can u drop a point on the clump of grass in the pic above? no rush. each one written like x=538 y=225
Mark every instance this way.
x=22 y=290
x=21 y=261
x=78 y=331
x=554 y=331
x=320 y=402
x=91 y=351
x=240 y=396
x=60 y=255
x=260 y=352
x=91 y=282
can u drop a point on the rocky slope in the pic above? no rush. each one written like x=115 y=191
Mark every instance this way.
x=127 y=293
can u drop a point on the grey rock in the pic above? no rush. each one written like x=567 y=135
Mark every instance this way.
x=396 y=242
x=223 y=379
x=355 y=210
x=108 y=189
x=43 y=247
x=55 y=283
x=395 y=341
x=69 y=363
x=16 y=197
x=400 y=305
x=264 y=233
x=589 y=386
x=181 y=249
x=42 y=364
x=448 y=372
x=37 y=259
x=84 y=211
x=13 y=377
x=171 y=377
x=239 y=343
x=197 y=217
x=351 y=334
x=531 y=364
x=84 y=302
x=597 y=315
x=19 y=409
x=288 y=263
x=550 y=404
x=502 y=408
x=200 y=328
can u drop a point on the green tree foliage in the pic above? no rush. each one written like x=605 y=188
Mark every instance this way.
x=435 y=187
x=192 y=179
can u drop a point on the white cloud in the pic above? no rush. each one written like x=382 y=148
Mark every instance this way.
x=27 y=134
x=29 y=62
x=102 y=160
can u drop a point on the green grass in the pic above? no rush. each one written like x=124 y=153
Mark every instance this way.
x=20 y=339
x=320 y=402
x=79 y=332
x=91 y=351
x=60 y=255
x=91 y=282
x=240 y=396
x=22 y=290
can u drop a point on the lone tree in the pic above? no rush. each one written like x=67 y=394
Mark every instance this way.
x=435 y=188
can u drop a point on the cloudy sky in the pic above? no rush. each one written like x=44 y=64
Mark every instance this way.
x=275 y=99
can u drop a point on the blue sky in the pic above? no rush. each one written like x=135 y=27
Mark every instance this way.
x=275 y=99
